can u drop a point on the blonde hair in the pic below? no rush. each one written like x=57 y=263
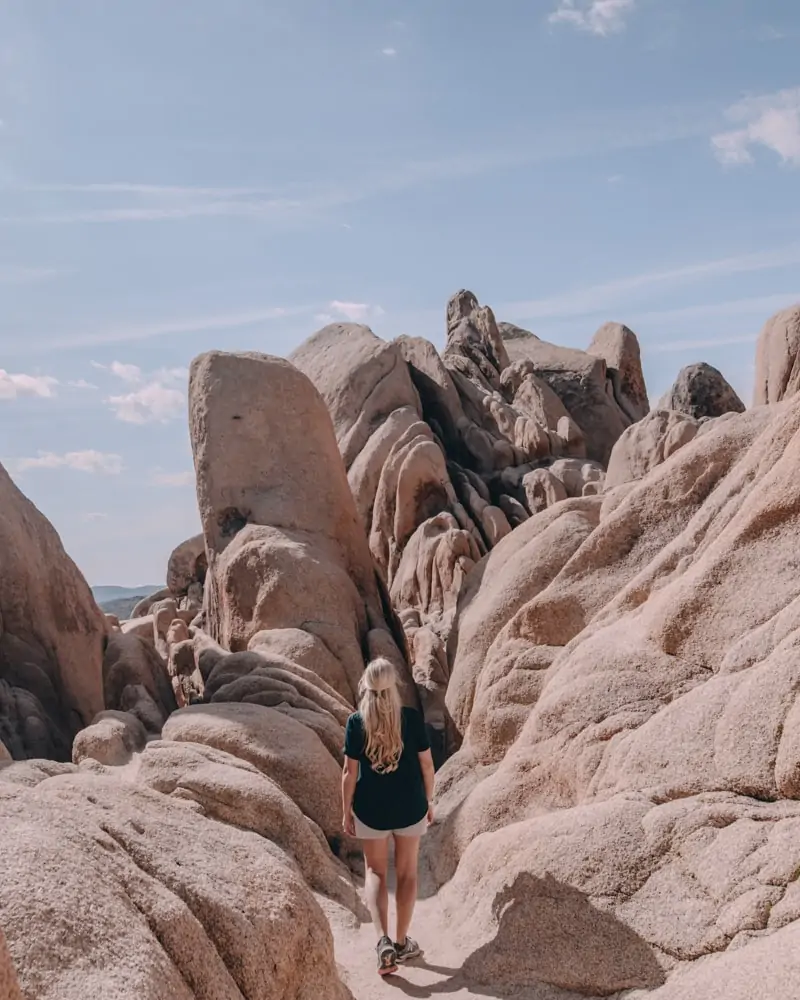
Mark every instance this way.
x=381 y=713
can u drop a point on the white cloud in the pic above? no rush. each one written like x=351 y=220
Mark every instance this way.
x=128 y=373
x=81 y=383
x=389 y=52
x=600 y=17
x=772 y=121
x=173 y=478
x=152 y=403
x=153 y=397
x=95 y=515
x=82 y=461
x=353 y=312
x=13 y=386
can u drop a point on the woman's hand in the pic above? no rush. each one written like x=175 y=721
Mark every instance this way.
x=349 y=824
x=430 y=814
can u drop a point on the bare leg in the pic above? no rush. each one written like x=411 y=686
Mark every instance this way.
x=406 y=860
x=376 y=855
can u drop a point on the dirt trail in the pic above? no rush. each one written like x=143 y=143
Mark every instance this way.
x=437 y=973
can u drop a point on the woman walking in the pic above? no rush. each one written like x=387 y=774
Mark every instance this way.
x=387 y=793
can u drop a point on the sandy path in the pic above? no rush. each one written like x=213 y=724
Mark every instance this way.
x=437 y=973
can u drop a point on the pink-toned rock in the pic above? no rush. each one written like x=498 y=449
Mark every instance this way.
x=151 y=899
x=282 y=533
x=778 y=358
x=285 y=750
x=9 y=985
x=51 y=635
x=619 y=348
x=647 y=444
x=111 y=739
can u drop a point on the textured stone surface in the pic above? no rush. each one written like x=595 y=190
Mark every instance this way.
x=701 y=391
x=777 y=358
x=51 y=635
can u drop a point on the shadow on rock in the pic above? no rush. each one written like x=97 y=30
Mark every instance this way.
x=549 y=932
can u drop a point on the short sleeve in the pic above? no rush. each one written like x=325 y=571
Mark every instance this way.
x=354 y=738
x=420 y=733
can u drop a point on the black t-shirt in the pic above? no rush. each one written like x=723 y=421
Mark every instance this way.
x=395 y=800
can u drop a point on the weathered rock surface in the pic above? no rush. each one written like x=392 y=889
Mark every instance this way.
x=135 y=680
x=701 y=391
x=647 y=444
x=146 y=897
x=778 y=358
x=286 y=549
x=112 y=739
x=582 y=383
x=51 y=635
x=9 y=985
x=647 y=792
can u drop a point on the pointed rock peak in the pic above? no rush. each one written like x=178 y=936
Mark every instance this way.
x=461 y=306
x=700 y=390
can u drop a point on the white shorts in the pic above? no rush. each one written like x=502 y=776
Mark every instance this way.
x=364 y=832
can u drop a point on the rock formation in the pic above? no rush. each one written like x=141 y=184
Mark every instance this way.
x=600 y=612
x=777 y=358
x=51 y=636
x=701 y=391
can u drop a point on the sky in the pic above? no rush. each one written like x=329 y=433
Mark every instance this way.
x=189 y=175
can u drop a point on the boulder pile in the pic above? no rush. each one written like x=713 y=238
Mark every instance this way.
x=594 y=604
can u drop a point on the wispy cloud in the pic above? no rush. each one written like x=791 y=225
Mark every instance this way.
x=174 y=479
x=771 y=121
x=11 y=275
x=81 y=383
x=158 y=328
x=94 y=462
x=389 y=52
x=594 y=298
x=187 y=191
x=95 y=515
x=600 y=17
x=299 y=204
x=352 y=312
x=260 y=209
x=702 y=343
x=12 y=386
x=152 y=398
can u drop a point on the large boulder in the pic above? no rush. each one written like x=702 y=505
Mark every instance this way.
x=778 y=358
x=286 y=548
x=647 y=444
x=51 y=635
x=135 y=680
x=701 y=391
x=619 y=348
x=285 y=750
x=581 y=382
x=187 y=566
x=649 y=794
x=111 y=889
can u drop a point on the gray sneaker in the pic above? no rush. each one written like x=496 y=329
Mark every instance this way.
x=387 y=957
x=405 y=952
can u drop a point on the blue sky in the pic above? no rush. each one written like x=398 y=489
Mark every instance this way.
x=195 y=174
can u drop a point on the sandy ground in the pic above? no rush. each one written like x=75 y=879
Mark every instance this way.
x=437 y=973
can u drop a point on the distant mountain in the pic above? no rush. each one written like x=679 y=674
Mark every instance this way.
x=121 y=601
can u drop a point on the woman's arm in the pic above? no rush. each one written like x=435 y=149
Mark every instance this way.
x=426 y=763
x=349 y=781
